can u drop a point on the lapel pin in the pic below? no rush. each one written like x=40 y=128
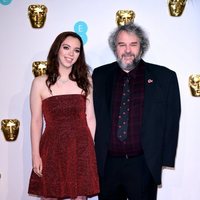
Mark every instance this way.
x=150 y=81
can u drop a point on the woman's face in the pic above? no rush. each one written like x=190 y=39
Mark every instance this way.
x=69 y=52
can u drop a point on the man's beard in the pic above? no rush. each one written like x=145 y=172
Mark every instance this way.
x=130 y=66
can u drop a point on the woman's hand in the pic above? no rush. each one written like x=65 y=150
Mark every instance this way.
x=37 y=165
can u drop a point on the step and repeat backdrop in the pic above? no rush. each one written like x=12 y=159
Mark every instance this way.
x=28 y=28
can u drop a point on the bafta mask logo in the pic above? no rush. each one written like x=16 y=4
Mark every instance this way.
x=124 y=16
x=194 y=83
x=10 y=128
x=37 y=15
x=39 y=68
x=176 y=7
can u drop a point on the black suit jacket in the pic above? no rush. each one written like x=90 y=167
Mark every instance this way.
x=160 y=124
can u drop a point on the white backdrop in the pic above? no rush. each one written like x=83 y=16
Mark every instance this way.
x=175 y=43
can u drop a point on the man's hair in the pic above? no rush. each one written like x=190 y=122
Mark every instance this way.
x=130 y=28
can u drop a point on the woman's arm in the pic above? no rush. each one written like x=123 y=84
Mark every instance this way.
x=90 y=115
x=36 y=124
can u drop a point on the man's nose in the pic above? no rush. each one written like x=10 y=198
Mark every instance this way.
x=128 y=49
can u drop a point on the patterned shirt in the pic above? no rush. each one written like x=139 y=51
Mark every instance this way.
x=132 y=145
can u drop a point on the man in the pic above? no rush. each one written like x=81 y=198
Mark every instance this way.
x=130 y=163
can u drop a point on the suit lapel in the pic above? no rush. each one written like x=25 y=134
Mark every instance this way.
x=111 y=79
x=150 y=86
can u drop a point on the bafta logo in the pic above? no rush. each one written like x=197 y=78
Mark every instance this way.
x=37 y=15
x=124 y=16
x=194 y=83
x=10 y=128
x=39 y=68
x=176 y=7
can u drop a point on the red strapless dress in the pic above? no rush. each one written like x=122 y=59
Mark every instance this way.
x=67 y=151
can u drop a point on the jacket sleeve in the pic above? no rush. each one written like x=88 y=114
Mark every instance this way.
x=172 y=122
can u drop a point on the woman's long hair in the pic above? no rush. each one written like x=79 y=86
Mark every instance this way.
x=80 y=69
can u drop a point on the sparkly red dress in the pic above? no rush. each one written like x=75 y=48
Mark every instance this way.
x=67 y=151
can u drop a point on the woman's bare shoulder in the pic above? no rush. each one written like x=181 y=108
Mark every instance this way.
x=40 y=80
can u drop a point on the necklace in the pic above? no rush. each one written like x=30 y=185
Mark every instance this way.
x=63 y=81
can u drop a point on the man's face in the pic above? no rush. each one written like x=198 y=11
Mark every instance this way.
x=127 y=50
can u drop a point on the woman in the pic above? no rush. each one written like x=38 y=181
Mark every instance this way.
x=63 y=157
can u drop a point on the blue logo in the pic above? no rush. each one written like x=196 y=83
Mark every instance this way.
x=5 y=2
x=81 y=28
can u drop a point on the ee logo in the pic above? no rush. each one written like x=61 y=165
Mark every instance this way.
x=81 y=28
x=5 y=2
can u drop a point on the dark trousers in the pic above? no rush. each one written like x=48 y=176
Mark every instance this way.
x=127 y=178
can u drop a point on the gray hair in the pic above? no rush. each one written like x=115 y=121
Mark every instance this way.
x=130 y=28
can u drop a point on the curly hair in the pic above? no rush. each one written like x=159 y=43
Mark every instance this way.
x=80 y=69
x=129 y=28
